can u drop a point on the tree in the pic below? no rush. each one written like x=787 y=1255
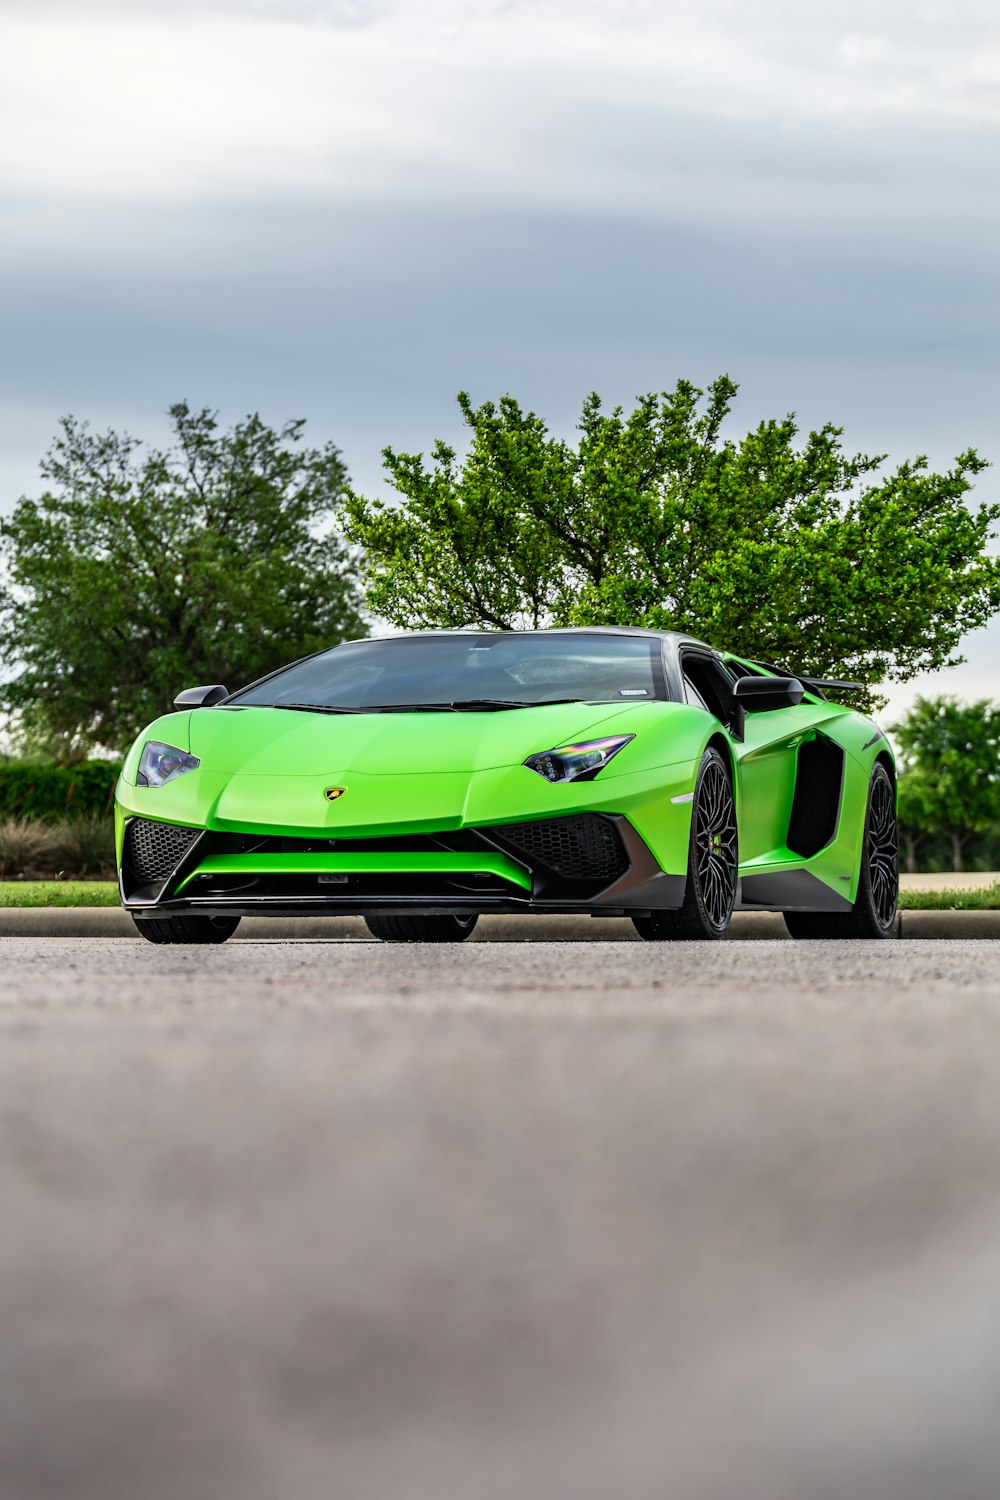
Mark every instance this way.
x=950 y=765
x=136 y=574
x=792 y=553
x=919 y=834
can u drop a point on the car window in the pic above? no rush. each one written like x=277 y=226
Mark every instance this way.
x=710 y=681
x=525 y=667
x=692 y=695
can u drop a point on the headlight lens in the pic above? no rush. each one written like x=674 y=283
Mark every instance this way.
x=577 y=762
x=162 y=763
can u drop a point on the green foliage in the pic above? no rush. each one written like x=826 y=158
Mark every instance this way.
x=135 y=575
x=789 y=552
x=54 y=792
x=949 y=787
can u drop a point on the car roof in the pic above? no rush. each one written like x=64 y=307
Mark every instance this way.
x=674 y=637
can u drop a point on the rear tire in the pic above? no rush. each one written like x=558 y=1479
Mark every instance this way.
x=439 y=929
x=875 y=912
x=713 y=864
x=186 y=929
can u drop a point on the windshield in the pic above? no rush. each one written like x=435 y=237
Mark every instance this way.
x=467 y=671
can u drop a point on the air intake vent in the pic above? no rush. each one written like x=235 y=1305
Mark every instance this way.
x=582 y=848
x=819 y=779
x=153 y=850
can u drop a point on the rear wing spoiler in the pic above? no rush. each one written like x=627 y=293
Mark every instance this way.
x=823 y=685
x=818 y=685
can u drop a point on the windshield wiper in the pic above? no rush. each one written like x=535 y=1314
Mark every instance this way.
x=465 y=704
x=460 y=705
x=410 y=708
x=318 y=708
x=370 y=708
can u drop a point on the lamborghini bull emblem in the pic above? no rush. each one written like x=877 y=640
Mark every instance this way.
x=333 y=792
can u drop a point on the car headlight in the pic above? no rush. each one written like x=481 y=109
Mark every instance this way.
x=577 y=762
x=162 y=763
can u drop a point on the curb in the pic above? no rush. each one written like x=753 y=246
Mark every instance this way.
x=110 y=922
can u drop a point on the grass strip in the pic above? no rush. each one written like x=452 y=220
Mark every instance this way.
x=987 y=899
x=58 y=893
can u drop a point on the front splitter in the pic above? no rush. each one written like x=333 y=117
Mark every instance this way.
x=669 y=893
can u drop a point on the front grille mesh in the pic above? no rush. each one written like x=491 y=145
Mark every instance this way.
x=153 y=850
x=582 y=848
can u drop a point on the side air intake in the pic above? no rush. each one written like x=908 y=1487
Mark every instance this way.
x=153 y=850
x=819 y=780
x=586 y=847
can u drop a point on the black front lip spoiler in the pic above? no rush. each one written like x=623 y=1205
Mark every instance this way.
x=644 y=888
x=324 y=906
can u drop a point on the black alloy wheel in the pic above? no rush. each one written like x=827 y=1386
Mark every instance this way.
x=186 y=929
x=875 y=913
x=713 y=863
x=430 y=929
x=882 y=851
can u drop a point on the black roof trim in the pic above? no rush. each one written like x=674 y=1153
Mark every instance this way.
x=677 y=636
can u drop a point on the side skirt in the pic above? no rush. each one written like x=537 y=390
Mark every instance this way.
x=789 y=890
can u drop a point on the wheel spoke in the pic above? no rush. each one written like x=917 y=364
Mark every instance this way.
x=883 y=851
x=716 y=844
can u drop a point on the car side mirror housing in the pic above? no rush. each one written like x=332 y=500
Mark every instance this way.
x=760 y=695
x=201 y=697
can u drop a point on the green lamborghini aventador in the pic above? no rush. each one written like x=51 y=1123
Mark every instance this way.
x=423 y=779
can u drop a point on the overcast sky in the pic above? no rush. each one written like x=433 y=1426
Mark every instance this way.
x=349 y=209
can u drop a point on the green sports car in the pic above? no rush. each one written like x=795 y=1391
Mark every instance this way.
x=422 y=779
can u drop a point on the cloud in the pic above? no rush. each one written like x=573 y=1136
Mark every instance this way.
x=864 y=49
x=549 y=101
x=342 y=13
x=350 y=208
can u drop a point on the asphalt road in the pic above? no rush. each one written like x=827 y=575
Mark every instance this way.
x=554 y=1221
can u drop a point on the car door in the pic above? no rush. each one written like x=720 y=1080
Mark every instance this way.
x=765 y=757
x=767 y=761
x=782 y=793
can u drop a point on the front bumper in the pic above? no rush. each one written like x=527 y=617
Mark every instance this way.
x=582 y=862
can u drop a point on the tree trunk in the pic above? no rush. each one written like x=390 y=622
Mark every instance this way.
x=957 y=846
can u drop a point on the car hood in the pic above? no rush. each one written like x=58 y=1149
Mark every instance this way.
x=282 y=742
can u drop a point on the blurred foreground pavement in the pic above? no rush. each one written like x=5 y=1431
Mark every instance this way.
x=338 y=1221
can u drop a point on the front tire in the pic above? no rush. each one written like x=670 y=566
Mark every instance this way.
x=875 y=912
x=438 y=929
x=186 y=929
x=713 y=864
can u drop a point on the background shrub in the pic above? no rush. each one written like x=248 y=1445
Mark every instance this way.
x=85 y=846
x=25 y=844
x=54 y=793
x=35 y=849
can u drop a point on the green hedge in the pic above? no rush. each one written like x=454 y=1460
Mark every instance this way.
x=54 y=792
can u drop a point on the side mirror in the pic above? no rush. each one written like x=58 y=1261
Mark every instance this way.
x=759 y=695
x=201 y=697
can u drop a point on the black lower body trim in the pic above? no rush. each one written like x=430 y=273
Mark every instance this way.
x=598 y=864
x=668 y=891
x=788 y=890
